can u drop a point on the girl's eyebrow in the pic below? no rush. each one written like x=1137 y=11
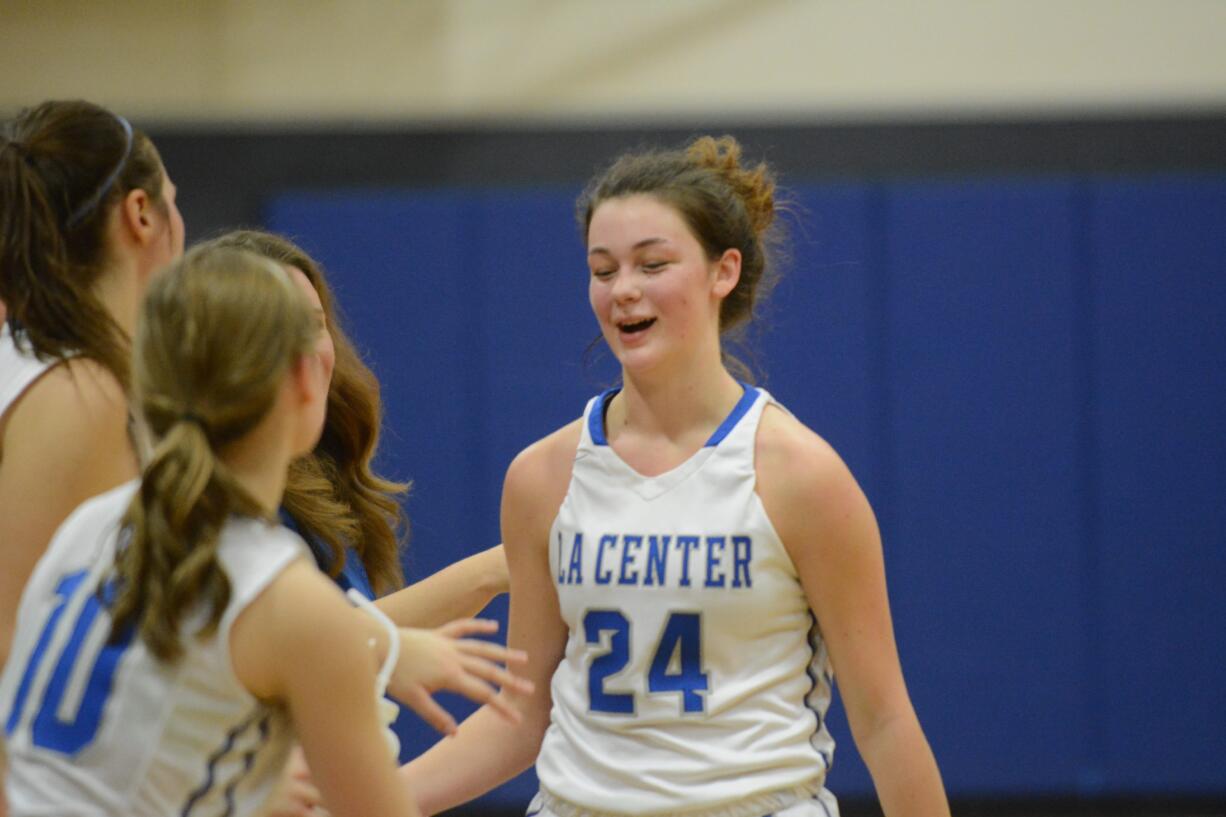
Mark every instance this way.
x=645 y=242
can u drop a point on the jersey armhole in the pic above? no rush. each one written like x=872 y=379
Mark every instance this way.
x=21 y=395
x=283 y=560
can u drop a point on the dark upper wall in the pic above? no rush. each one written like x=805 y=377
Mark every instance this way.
x=225 y=176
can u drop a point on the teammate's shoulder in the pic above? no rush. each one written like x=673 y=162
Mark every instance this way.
x=805 y=487
x=283 y=624
x=783 y=438
x=78 y=389
x=550 y=457
x=256 y=554
x=70 y=430
x=538 y=477
x=88 y=378
x=795 y=460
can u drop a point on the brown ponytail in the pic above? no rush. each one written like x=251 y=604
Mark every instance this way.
x=217 y=334
x=63 y=166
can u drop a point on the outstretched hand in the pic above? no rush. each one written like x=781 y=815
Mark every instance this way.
x=447 y=658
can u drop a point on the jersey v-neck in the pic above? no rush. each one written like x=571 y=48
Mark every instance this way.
x=651 y=487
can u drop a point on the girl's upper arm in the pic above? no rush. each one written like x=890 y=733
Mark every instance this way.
x=65 y=441
x=301 y=643
x=831 y=534
x=533 y=491
x=487 y=750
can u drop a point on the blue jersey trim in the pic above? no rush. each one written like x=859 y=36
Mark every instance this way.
x=210 y=776
x=734 y=417
x=353 y=573
x=595 y=421
x=248 y=765
x=819 y=716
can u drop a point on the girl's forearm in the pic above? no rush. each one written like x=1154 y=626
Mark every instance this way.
x=904 y=770
x=486 y=752
x=457 y=591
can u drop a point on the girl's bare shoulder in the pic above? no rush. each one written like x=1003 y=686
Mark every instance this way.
x=801 y=479
x=539 y=476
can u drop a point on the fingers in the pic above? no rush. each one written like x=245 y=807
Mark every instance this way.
x=304 y=796
x=295 y=799
x=482 y=662
x=483 y=693
x=447 y=658
x=429 y=710
x=506 y=709
x=296 y=768
x=491 y=651
x=497 y=675
x=463 y=627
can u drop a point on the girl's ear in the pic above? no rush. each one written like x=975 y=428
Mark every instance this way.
x=309 y=378
x=727 y=273
x=137 y=217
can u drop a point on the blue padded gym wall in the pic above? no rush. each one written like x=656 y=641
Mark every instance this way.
x=1027 y=376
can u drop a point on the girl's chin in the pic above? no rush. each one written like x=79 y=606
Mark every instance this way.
x=638 y=360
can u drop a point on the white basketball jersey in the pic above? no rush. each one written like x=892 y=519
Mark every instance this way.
x=18 y=369
x=107 y=729
x=694 y=680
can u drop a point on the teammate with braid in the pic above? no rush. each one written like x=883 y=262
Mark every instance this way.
x=690 y=565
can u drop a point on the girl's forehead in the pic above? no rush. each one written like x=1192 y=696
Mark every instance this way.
x=636 y=214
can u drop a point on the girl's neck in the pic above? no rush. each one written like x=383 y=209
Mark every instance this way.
x=119 y=290
x=685 y=403
x=259 y=462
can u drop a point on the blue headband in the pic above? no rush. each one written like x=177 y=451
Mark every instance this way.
x=92 y=202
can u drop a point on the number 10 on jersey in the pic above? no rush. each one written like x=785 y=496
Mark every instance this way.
x=681 y=637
